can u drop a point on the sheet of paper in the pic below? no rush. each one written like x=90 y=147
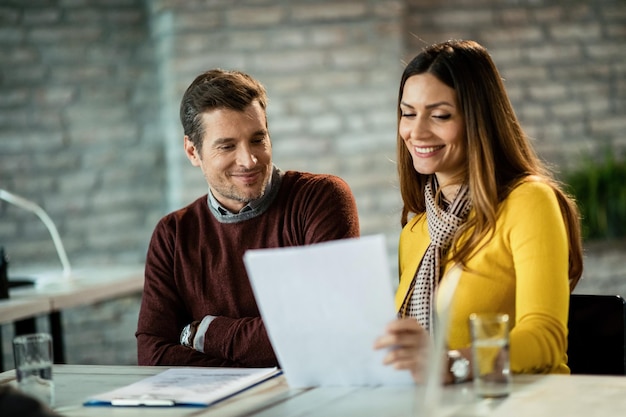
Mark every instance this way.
x=185 y=386
x=323 y=306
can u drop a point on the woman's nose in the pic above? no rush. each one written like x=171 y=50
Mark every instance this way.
x=419 y=128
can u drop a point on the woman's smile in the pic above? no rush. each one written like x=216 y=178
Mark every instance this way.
x=427 y=150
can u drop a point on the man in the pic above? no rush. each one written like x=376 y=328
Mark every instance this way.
x=198 y=307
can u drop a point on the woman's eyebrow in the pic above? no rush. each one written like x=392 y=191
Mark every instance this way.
x=428 y=106
x=439 y=103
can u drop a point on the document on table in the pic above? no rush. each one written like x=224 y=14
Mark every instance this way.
x=199 y=387
x=323 y=306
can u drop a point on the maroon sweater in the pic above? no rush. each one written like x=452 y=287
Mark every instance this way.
x=194 y=268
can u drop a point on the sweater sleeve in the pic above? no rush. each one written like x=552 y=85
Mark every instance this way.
x=242 y=343
x=163 y=313
x=539 y=246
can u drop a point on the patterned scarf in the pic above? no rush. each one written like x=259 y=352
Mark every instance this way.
x=442 y=225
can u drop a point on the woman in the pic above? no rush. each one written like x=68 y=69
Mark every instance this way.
x=476 y=195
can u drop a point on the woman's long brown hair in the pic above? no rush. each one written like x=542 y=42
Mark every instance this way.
x=499 y=153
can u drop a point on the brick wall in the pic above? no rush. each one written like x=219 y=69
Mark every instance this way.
x=79 y=130
x=89 y=94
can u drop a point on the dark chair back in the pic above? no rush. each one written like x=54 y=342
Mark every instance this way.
x=597 y=334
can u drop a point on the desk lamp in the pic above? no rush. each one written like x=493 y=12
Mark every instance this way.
x=47 y=221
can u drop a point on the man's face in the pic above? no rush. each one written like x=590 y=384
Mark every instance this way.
x=236 y=155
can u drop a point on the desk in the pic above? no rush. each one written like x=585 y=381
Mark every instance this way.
x=533 y=396
x=53 y=293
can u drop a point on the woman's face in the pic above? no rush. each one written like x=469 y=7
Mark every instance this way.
x=432 y=127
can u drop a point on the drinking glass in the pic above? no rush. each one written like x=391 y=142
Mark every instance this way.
x=490 y=354
x=33 y=365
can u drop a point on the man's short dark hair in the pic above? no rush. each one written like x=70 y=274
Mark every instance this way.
x=216 y=89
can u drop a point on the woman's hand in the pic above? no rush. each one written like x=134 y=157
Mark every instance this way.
x=408 y=344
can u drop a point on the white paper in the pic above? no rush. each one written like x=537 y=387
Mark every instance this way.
x=185 y=386
x=323 y=306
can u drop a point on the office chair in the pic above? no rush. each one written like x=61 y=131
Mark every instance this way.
x=597 y=334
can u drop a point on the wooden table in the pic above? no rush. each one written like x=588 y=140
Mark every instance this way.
x=52 y=293
x=532 y=396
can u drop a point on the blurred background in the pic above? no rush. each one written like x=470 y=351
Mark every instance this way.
x=89 y=129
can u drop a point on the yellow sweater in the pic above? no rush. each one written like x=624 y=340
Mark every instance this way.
x=522 y=271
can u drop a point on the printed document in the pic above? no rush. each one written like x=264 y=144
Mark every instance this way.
x=323 y=306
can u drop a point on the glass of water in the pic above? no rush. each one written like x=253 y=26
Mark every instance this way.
x=33 y=365
x=490 y=354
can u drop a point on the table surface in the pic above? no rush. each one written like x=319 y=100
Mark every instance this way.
x=533 y=395
x=54 y=292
